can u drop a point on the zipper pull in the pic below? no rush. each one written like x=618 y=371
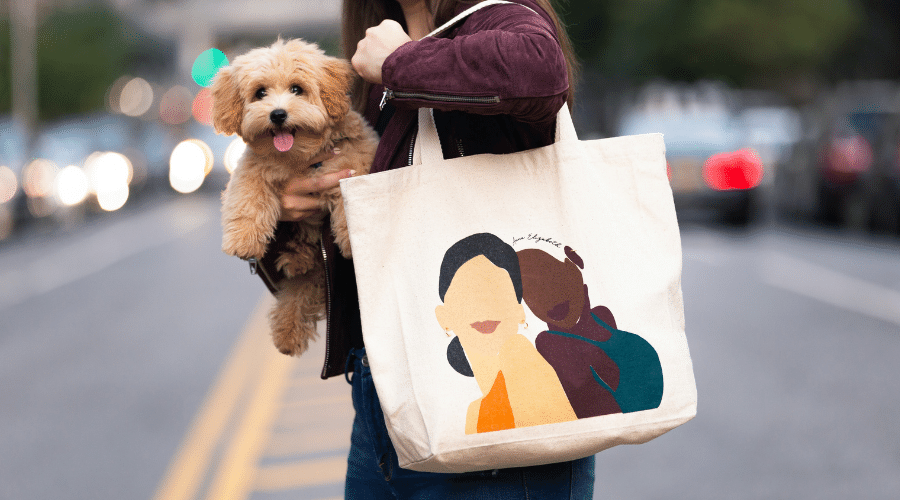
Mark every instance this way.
x=388 y=94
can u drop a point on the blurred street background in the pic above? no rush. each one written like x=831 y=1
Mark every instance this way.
x=134 y=356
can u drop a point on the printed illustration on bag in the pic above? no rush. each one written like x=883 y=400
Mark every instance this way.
x=481 y=293
x=581 y=366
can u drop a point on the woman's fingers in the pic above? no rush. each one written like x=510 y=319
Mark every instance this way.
x=380 y=42
x=326 y=155
x=315 y=185
x=298 y=215
x=300 y=197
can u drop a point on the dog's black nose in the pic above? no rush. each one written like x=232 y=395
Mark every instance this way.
x=278 y=116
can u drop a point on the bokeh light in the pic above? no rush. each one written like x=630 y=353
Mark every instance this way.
x=233 y=154
x=175 y=105
x=8 y=184
x=202 y=107
x=136 y=97
x=38 y=177
x=107 y=171
x=191 y=160
x=114 y=94
x=736 y=170
x=113 y=199
x=72 y=186
x=850 y=154
x=108 y=175
x=207 y=65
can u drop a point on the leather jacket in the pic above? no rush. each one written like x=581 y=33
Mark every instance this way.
x=496 y=82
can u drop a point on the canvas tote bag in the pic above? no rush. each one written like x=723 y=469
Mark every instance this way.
x=522 y=309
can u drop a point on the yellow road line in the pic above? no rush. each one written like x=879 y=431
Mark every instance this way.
x=188 y=469
x=234 y=479
x=263 y=405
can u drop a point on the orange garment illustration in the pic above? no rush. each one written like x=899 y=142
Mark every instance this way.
x=496 y=413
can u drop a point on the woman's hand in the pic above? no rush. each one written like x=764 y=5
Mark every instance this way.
x=300 y=197
x=380 y=42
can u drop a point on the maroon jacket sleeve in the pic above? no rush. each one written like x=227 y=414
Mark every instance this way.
x=505 y=52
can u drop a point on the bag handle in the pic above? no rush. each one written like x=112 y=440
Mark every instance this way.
x=464 y=14
x=427 y=148
x=428 y=144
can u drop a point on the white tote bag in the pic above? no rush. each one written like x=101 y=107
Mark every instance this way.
x=522 y=309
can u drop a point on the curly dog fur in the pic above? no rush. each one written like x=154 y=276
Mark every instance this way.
x=289 y=103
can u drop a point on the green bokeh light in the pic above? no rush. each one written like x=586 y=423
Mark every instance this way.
x=207 y=65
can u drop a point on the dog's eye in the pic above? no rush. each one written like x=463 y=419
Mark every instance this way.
x=260 y=93
x=296 y=90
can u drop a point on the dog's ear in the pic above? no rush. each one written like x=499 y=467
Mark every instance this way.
x=335 y=87
x=228 y=106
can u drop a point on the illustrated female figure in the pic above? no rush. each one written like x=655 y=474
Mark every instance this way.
x=481 y=289
x=603 y=369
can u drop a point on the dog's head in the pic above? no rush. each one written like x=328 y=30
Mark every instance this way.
x=275 y=96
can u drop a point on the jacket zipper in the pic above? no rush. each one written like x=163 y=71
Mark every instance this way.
x=327 y=308
x=390 y=94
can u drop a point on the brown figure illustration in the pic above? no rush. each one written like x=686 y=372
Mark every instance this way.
x=603 y=369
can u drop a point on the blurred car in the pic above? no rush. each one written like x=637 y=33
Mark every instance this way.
x=772 y=132
x=73 y=162
x=708 y=162
x=857 y=174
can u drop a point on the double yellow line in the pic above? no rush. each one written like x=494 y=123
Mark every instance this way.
x=220 y=456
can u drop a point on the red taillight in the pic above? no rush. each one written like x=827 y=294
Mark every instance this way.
x=849 y=155
x=738 y=170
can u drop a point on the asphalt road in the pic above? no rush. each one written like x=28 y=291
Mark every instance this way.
x=134 y=364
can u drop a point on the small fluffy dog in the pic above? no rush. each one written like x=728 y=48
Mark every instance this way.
x=289 y=103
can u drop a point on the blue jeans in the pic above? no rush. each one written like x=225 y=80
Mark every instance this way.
x=373 y=471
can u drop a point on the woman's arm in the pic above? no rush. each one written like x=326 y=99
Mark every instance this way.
x=506 y=58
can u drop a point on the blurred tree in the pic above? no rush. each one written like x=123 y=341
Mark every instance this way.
x=5 y=70
x=743 y=42
x=875 y=50
x=81 y=51
x=80 y=54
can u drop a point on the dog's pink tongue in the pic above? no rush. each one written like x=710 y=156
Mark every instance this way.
x=284 y=141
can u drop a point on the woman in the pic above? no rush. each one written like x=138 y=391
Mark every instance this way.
x=496 y=82
x=604 y=370
x=481 y=291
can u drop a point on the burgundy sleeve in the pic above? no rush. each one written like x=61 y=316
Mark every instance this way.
x=505 y=52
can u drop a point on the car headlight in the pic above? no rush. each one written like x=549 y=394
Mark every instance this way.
x=8 y=184
x=72 y=186
x=191 y=160
x=109 y=175
x=38 y=178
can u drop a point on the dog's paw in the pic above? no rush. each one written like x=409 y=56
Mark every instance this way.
x=297 y=263
x=287 y=346
x=293 y=340
x=245 y=244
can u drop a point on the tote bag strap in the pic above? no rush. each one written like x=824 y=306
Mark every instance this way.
x=427 y=148
x=428 y=145
x=464 y=14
